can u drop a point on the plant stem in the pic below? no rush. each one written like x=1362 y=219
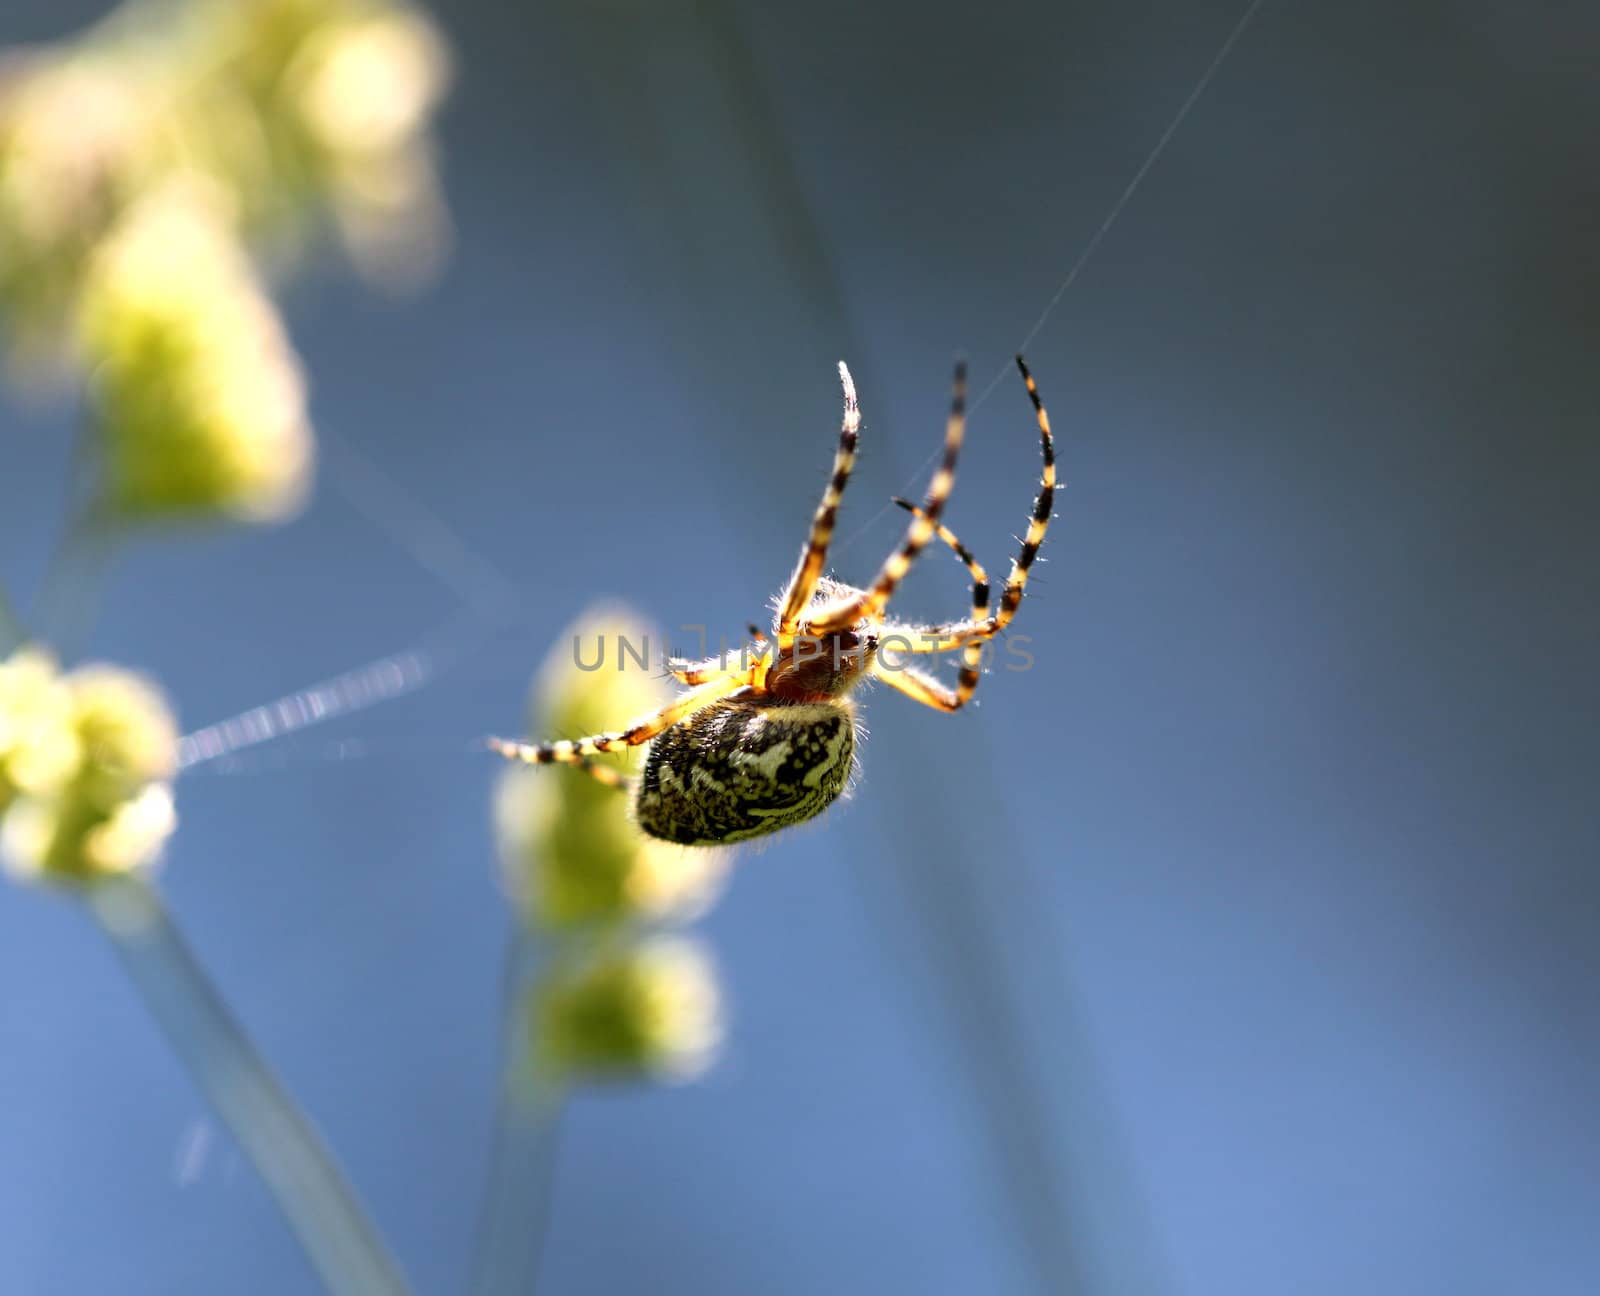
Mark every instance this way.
x=70 y=592
x=73 y=579
x=277 y=1137
x=517 y=1198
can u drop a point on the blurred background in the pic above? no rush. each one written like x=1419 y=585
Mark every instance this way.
x=1246 y=943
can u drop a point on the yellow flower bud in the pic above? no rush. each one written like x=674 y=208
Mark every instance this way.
x=570 y=850
x=128 y=732
x=38 y=746
x=340 y=95
x=651 y=1010
x=75 y=135
x=112 y=811
x=367 y=87
x=67 y=126
x=199 y=397
x=364 y=91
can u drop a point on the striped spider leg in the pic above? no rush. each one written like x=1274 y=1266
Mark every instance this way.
x=869 y=603
x=916 y=684
x=581 y=751
x=802 y=585
x=962 y=634
x=710 y=668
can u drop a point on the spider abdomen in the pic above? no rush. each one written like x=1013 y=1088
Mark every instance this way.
x=745 y=767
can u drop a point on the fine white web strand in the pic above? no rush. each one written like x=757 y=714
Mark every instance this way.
x=1089 y=248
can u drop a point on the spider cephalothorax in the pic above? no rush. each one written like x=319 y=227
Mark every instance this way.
x=766 y=738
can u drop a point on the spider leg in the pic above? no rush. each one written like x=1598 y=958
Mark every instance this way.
x=703 y=672
x=944 y=638
x=980 y=578
x=606 y=774
x=573 y=751
x=1039 y=522
x=729 y=662
x=803 y=584
x=972 y=659
x=923 y=688
x=923 y=525
x=697 y=673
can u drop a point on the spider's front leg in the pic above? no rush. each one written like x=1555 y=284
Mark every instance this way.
x=961 y=634
x=576 y=751
x=922 y=529
x=726 y=663
x=702 y=672
x=920 y=686
x=923 y=688
x=803 y=584
x=972 y=656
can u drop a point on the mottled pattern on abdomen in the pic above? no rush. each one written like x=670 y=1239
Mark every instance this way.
x=745 y=767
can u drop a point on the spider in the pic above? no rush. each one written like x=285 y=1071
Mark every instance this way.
x=767 y=740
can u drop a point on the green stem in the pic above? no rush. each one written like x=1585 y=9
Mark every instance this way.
x=281 y=1143
x=72 y=581
x=70 y=592
x=517 y=1198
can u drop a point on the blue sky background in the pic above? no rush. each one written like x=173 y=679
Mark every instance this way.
x=1248 y=941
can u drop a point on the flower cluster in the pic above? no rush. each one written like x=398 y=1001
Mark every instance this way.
x=313 y=107
x=615 y=998
x=79 y=139
x=647 y=1007
x=198 y=399
x=149 y=165
x=86 y=765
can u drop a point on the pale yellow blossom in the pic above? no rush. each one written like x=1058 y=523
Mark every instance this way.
x=647 y=1010
x=111 y=811
x=39 y=747
x=199 y=399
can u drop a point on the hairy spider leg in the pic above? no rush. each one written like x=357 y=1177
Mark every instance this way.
x=572 y=751
x=702 y=672
x=606 y=774
x=804 y=582
x=922 y=529
x=944 y=638
x=732 y=662
x=727 y=663
x=972 y=657
x=922 y=687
